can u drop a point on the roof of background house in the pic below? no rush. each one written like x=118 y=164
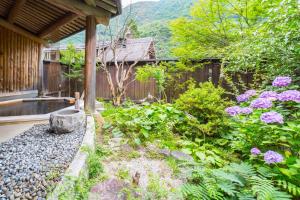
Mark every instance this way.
x=129 y=50
x=53 y=20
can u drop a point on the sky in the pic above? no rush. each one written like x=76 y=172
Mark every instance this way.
x=127 y=2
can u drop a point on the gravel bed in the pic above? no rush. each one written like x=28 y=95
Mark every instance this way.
x=31 y=163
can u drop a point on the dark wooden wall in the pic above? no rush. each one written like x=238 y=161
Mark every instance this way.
x=209 y=71
x=136 y=90
x=19 y=61
x=53 y=77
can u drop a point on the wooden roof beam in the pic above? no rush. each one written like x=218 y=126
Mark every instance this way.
x=15 y=10
x=102 y=4
x=91 y=2
x=83 y=9
x=108 y=7
x=57 y=24
x=21 y=31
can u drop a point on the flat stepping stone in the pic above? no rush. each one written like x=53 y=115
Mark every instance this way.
x=110 y=189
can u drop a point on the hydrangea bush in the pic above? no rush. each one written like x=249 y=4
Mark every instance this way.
x=267 y=117
x=266 y=129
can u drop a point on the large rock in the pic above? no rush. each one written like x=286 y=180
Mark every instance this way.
x=66 y=121
x=178 y=155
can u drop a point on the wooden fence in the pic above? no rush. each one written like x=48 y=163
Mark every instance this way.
x=54 y=79
x=209 y=70
x=19 y=62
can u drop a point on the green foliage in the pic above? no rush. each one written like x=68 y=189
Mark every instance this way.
x=234 y=181
x=212 y=26
x=74 y=60
x=146 y=122
x=133 y=27
x=147 y=72
x=272 y=45
x=207 y=105
x=248 y=35
x=249 y=131
x=207 y=154
x=156 y=188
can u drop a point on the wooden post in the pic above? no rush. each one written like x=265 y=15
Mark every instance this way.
x=77 y=100
x=41 y=71
x=90 y=65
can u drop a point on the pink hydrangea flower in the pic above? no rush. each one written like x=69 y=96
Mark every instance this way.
x=271 y=157
x=272 y=117
x=233 y=111
x=271 y=95
x=255 y=151
x=246 y=110
x=242 y=98
x=289 y=95
x=282 y=81
x=261 y=103
x=251 y=93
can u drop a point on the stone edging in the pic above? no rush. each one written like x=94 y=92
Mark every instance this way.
x=78 y=165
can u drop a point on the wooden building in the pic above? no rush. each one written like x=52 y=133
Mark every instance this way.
x=27 y=26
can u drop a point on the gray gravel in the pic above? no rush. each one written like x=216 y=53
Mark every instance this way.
x=31 y=163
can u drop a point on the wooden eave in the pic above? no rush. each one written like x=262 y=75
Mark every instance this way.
x=48 y=21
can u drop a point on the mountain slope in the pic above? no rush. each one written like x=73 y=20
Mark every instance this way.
x=152 y=19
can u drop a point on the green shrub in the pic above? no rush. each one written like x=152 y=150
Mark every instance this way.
x=141 y=123
x=207 y=104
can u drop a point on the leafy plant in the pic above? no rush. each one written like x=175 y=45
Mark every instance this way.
x=146 y=72
x=234 y=181
x=206 y=103
x=147 y=122
x=74 y=60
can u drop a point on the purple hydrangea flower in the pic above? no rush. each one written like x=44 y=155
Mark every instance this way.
x=255 y=151
x=282 y=81
x=271 y=117
x=289 y=95
x=234 y=110
x=272 y=157
x=250 y=93
x=261 y=103
x=246 y=110
x=271 y=95
x=242 y=98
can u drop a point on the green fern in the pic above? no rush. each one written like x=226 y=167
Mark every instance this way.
x=235 y=181
x=194 y=192
x=289 y=187
x=264 y=189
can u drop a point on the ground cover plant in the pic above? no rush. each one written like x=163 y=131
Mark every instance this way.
x=253 y=155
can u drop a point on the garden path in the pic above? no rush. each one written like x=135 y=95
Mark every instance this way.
x=136 y=173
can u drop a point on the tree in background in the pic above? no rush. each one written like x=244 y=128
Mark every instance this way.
x=74 y=60
x=213 y=26
x=273 y=47
x=157 y=72
x=133 y=27
x=119 y=72
x=248 y=35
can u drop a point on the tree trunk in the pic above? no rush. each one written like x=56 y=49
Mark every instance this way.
x=117 y=100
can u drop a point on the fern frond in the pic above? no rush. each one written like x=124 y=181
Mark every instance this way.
x=263 y=189
x=289 y=187
x=265 y=172
x=220 y=174
x=212 y=188
x=228 y=188
x=194 y=192
x=244 y=169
